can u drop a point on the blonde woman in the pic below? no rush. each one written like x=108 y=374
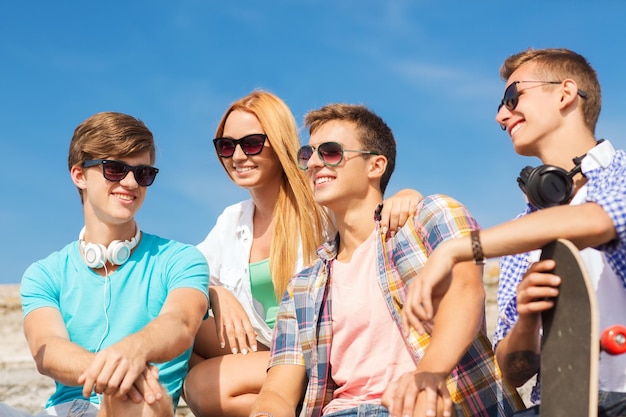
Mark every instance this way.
x=253 y=250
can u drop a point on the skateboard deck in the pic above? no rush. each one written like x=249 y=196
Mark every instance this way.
x=570 y=349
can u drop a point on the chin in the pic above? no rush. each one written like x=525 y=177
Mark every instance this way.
x=523 y=151
x=523 y=148
x=326 y=201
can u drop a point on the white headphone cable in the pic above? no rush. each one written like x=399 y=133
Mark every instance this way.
x=105 y=307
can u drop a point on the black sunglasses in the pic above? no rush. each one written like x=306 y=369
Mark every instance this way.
x=330 y=153
x=117 y=170
x=511 y=94
x=250 y=145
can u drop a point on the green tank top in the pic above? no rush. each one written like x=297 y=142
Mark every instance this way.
x=263 y=290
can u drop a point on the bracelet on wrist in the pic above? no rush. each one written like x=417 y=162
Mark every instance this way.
x=477 y=249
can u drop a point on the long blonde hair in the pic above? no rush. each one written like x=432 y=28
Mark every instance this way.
x=295 y=213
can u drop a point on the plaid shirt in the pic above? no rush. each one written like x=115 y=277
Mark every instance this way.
x=303 y=331
x=605 y=170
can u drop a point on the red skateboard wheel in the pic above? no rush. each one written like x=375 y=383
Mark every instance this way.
x=613 y=340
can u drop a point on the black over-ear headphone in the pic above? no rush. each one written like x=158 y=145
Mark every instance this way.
x=548 y=185
x=118 y=252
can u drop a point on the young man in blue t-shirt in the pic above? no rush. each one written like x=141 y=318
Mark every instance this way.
x=111 y=317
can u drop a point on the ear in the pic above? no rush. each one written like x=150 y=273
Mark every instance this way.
x=377 y=166
x=569 y=93
x=78 y=177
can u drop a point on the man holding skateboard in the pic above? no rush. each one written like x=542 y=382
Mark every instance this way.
x=550 y=108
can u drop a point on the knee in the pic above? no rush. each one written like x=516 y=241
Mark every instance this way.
x=196 y=392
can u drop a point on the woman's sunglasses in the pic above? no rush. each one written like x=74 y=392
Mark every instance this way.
x=330 y=153
x=511 y=94
x=117 y=170
x=250 y=145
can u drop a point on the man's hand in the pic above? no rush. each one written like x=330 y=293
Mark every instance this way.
x=538 y=288
x=121 y=370
x=418 y=394
x=232 y=321
x=146 y=386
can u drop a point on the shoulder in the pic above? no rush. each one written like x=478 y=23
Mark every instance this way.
x=619 y=161
x=233 y=214
x=306 y=277
x=440 y=206
x=174 y=261
x=43 y=280
x=439 y=217
x=227 y=226
x=56 y=261
x=238 y=208
x=167 y=248
x=439 y=200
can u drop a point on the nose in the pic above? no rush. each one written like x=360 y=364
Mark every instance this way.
x=314 y=160
x=129 y=180
x=239 y=154
x=502 y=116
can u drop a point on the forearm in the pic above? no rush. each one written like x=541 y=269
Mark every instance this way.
x=54 y=353
x=215 y=292
x=281 y=392
x=458 y=319
x=518 y=353
x=173 y=330
x=61 y=360
x=585 y=225
x=164 y=338
x=270 y=403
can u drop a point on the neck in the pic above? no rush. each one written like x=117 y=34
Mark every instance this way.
x=98 y=232
x=355 y=225
x=264 y=200
x=560 y=148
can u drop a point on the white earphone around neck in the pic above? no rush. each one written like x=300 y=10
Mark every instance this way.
x=96 y=254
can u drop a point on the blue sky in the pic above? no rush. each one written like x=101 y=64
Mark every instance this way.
x=429 y=68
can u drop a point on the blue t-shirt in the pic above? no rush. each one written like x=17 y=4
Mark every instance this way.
x=133 y=296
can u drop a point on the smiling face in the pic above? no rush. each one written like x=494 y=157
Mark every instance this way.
x=537 y=114
x=253 y=172
x=109 y=202
x=336 y=186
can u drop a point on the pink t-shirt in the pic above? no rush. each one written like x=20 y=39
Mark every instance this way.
x=367 y=350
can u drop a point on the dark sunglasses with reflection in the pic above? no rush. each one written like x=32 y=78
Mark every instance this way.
x=116 y=171
x=250 y=145
x=511 y=94
x=330 y=153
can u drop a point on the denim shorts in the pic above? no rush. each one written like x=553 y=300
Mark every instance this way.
x=363 y=410
x=374 y=410
x=610 y=404
x=75 y=408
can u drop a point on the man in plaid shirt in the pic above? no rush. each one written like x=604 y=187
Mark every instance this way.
x=550 y=109
x=338 y=345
